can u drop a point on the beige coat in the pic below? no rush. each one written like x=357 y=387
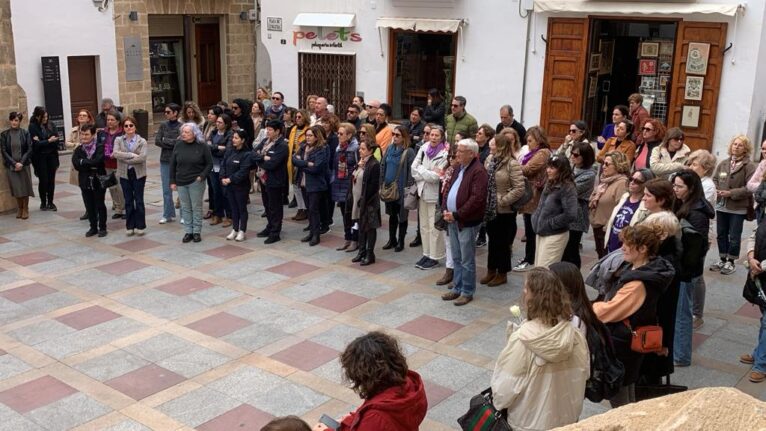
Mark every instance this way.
x=600 y=216
x=509 y=182
x=72 y=143
x=540 y=375
x=427 y=173
x=125 y=157
x=534 y=170
x=663 y=164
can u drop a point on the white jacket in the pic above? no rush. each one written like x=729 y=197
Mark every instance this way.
x=427 y=173
x=540 y=375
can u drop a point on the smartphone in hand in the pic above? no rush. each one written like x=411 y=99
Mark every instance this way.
x=329 y=422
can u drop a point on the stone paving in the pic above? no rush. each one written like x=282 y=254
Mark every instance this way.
x=129 y=333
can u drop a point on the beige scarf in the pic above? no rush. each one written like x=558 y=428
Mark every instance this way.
x=603 y=184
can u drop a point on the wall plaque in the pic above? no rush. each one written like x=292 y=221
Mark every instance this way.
x=134 y=62
x=52 y=91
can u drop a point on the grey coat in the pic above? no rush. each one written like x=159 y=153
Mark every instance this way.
x=585 y=180
x=557 y=209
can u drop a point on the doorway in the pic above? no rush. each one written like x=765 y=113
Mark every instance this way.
x=82 y=85
x=207 y=38
x=419 y=62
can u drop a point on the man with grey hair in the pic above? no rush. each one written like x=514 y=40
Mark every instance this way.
x=107 y=105
x=507 y=120
x=463 y=208
x=320 y=109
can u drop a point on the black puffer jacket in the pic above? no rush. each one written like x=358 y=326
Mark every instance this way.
x=694 y=238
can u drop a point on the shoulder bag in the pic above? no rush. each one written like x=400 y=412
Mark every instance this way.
x=411 y=192
x=390 y=192
x=526 y=197
x=753 y=292
x=483 y=416
x=107 y=181
x=645 y=339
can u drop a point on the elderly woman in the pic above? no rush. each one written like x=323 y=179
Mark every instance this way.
x=546 y=354
x=83 y=117
x=427 y=171
x=312 y=170
x=219 y=141
x=16 y=147
x=578 y=132
x=620 y=142
x=394 y=396
x=606 y=195
x=109 y=136
x=190 y=165
x=130 y=151
x=88 y=159
x=533 y=165
x=45 y=156
x=731 y=177
x=619 y=113
x=343 y=164
x=364 y=202
x=557 y=210
x=652 y=135
x=630 y=210
x=394 y=165
x=670 y=157
x=582 y=157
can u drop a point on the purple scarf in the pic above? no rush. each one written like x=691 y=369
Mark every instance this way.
x=431 y=152
x=527 y=157
x=90 y=147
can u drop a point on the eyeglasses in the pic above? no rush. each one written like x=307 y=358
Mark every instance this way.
x=608 y=164
x=679 y=186
x=678 y=139
x=275 y=98
x=573 y=131
x=575 y=155
x=362 y=132
x=647 y=129
x=126 y=125
x=455 y=105
x=398 y=135
x=637 y=181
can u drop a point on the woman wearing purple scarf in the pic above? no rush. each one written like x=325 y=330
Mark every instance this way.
x=427 y=170
x=88 y=159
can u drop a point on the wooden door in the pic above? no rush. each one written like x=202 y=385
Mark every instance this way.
x=82 y=85
x=564 y=76
x=208 y=64
x=714 y=34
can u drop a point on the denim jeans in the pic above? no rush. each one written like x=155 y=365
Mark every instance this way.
x=759 y=354
x=682 y=342
x=698 y=297
x=133 y=190
x=191 y=205
x=463 y=244
x=168 y=209
x=729 y=231
x=220 y=202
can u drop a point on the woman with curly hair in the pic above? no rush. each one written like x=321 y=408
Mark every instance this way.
x=394 y=396
x=611 y=185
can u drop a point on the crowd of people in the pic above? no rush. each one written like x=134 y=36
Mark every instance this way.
x=649 y=199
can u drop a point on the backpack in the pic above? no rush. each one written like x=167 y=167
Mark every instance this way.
x=606 y=371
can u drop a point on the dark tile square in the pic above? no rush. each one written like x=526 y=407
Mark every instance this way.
x=35 y=394
x=306 y=355
x=145 y=381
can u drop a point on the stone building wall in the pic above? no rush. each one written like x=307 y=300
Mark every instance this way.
x=12 y=96
x=239 y=44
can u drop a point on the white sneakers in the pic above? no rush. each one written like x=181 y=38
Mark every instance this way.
x=240 y=236
x=166 y=220
x=140 y=232
x=129 y=232
x=236 y=236
x=231 y=235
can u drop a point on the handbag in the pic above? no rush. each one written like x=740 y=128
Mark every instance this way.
x=526 y=197
x=645 y=339
x=390 y=192
x=483 y=416
x=750 y=215
x=753 y=292
x=411 y=197
x=107 y=181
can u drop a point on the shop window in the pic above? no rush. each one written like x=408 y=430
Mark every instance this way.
x=330 y=75
x=166 y=61
x=420 y=61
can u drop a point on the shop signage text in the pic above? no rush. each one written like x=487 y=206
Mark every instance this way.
x=320 y=39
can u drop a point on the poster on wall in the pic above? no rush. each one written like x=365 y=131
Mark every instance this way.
x=647 y=67
x=697 y=58
x=648 y=82
x=595 y=62
x=52 y=93
x=650 y=49
x=690 y=116
x=666 y=49
x=606 y=47
x=694 y=86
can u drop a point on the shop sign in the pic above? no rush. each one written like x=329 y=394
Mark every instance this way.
x=273 y=23
x=323 y=39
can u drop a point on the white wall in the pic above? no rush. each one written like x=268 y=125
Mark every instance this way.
x=46 y=28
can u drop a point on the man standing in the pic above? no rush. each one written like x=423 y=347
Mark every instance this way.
x=372 y=110
x=463 y=208
x=277 y=107
x=352 y=116
x=507 y=120
x=107 y=105
x=320 y=110
x=271 y=157
x=415 y=126
x=460 y=121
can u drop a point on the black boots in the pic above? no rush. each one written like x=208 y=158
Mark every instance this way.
x=402 y=233
x=368 y=259
x=391 y=236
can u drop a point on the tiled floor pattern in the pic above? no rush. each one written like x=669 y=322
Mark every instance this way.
x=147 y=333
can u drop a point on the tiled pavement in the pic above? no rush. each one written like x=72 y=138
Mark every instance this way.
x=145 y=333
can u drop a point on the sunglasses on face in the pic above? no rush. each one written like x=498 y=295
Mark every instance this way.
x=275 y=98
x=128 y=125
x=398 y=135
x=455 y=105
x=575 y=155
x=637 y=181
x=574 y=131
x=647 y=129
x=608 y=164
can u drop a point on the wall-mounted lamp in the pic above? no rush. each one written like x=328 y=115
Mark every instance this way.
x=133 y=15
x=243 y=15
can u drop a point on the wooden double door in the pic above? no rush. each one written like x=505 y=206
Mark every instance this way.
x=566 y=70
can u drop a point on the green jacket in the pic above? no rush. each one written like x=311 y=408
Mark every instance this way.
x=466 y=125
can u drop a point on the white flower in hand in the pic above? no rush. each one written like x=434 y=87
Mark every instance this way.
x=516 y=311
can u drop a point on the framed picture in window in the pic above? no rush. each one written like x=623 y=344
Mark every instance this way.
x=595 y=62
x=592 y=87
x=690 y=117
x=606 y=47
x=666 y=48
x=694 y=86
x=650 y=49
x=697 y=58
x=647 y=67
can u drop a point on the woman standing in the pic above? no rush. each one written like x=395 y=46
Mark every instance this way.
x=130 y=151
x=394 y=168
x=620 y=142
x=263 y=97
x=257 y=115
x=240 y=115
x=652 y=134
x=383 y=133
x=582 y=157
x=189 y=166
x=694 y=212
x=192 y=114
x=166 y=138
x=109 y=135
x=364 y=202
x=330 y=124
x=756 y=253
x=578 y=132
x=88 y=159
x=670 y=157
x=611 y=186
x=45 y=156
x=83 y=117
x=533 y=165
x=312 y=170
x=295 y=143
x=219 y=142
x=619 y=113
x=235 y=178
x=642 y=280
x=557 y=210
x=504 y=171
x=271 y=158
x=629 y=211
x=435 y=108
x=213 y=113
x=343 y=165
x=367 y=134
x=731 y=177
x=427 y=170
x=16 y=145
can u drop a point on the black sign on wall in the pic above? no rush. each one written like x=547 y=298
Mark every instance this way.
x=52 y=91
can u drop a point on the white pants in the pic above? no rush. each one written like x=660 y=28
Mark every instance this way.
x=433 y=240
x=550 y=249
x=449 y=263
x=298 y=197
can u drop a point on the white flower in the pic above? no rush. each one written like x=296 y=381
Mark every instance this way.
x=516 y=311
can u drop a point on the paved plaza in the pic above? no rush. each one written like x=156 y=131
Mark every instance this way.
x=147 y=333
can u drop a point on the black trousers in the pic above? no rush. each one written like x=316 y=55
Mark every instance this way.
x=599 y=238
x=348 y=234
x=272 y=196
x=367 y=240
x=572 y=249
x=500 y=233
x=326 y=209
x=236 y=196
x=315 y=207
x=531 y=244
x=45 y=168
x=94 y=205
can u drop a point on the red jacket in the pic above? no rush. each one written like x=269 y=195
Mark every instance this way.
x=471 y=196
x=399 y=408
